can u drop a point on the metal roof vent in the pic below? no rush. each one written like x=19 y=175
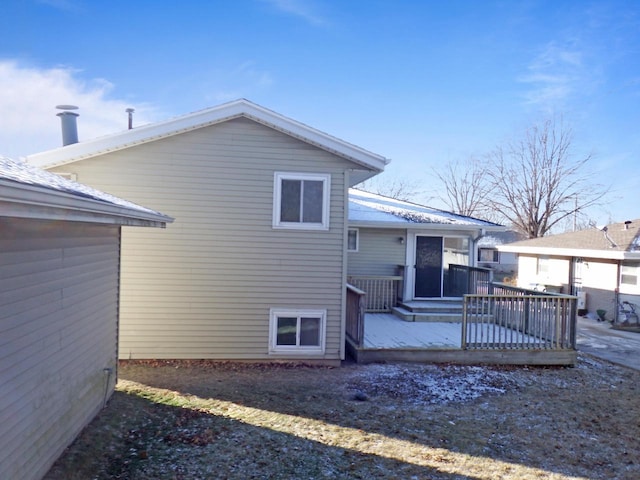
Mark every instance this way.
x=69 y=124
x=626 y=224
x=130 y=116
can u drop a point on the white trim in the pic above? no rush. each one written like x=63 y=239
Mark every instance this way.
x=275 y=313
x=350 y=229
x=570 y=252
x=278 y=177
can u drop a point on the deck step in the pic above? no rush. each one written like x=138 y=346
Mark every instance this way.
x=427 y=316
x=435 y=306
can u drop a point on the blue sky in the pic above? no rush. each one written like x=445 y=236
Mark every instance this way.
x=421 y=82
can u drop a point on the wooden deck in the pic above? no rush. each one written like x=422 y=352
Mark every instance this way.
x=385 y=330
x=388 y=338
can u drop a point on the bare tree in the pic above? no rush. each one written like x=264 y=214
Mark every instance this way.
x=465 y=187
x=535 y=182
x=398 y=188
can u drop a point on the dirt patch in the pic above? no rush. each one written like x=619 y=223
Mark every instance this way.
x=199 y=420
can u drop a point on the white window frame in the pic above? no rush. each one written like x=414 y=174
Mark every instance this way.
x=276 y=313
x=277 y=199
x=357 y=239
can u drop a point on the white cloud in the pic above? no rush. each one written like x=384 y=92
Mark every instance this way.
x=305 y=9
x=28 y=96
x=555 y=75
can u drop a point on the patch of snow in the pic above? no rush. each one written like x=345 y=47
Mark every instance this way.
x=431 y=384
x=366 y=206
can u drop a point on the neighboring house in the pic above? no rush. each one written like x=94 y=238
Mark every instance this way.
x=503 y=264
x=600 y=265
x=256 y=265
x=59 y=271
x=389 y=237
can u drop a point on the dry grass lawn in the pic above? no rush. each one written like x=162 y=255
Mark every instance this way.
x=201 y=420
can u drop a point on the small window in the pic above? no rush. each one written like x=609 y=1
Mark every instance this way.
x=301 y=201
x=543 y=266
x=353 y=240
x=297 y=331
x=488 y=255
x=629 y=275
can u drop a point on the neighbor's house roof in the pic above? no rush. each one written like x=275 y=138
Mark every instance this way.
x=371 y=210
x=618 y=241
x=369 y=162
x=29 y=192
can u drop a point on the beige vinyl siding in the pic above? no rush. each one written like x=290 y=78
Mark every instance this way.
x=203 y=287
x=379 y=253
x=58 y=331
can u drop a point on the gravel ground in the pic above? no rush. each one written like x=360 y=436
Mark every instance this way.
x=200 y=420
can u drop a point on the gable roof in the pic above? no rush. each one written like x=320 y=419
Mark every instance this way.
x=370 y=209
x=29 y=192
x=370 y=162
x=615 y=241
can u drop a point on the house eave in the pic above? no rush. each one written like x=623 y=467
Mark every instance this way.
x=19 y=200
x=571 y=252
x=426 y=226
x=204 y=118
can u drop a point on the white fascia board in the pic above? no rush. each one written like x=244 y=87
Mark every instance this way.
x=427 y=227
x=571 y=252
x=204 y=118
x=28 y=201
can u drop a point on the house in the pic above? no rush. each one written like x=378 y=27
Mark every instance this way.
x=600 y=265
x=415 y=243
x=503 y=264
x=59 y=270
x=256 y=264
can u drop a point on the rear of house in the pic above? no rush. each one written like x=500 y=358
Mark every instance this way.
x=255 y=266
x=59 y=271
x=413 y=244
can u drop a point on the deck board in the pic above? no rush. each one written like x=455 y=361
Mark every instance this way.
x=385 y=330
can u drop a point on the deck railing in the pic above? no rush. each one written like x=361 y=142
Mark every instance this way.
x=355 y=314
x=463 y=279
x=382 y=292
x=519 y=322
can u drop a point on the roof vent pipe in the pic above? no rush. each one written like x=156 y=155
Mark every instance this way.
x=130 y=113
x=69 y=124
x=626 y=224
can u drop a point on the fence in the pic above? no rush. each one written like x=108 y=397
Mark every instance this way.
x=462 y=279
x=519 y=321
x=355 y=314
x=382 y=292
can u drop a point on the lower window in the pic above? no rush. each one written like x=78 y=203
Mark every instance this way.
x=297 y=331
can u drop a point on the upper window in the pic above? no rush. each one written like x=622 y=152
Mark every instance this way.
x=297 y=331
x=301 y=201
x=488 y=255
x=352 y=240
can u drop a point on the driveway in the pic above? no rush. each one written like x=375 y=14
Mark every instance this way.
x=600 y=340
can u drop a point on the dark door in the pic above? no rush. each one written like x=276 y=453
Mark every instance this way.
x=428 y=267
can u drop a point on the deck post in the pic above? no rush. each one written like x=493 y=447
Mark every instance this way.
x=463 y=341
